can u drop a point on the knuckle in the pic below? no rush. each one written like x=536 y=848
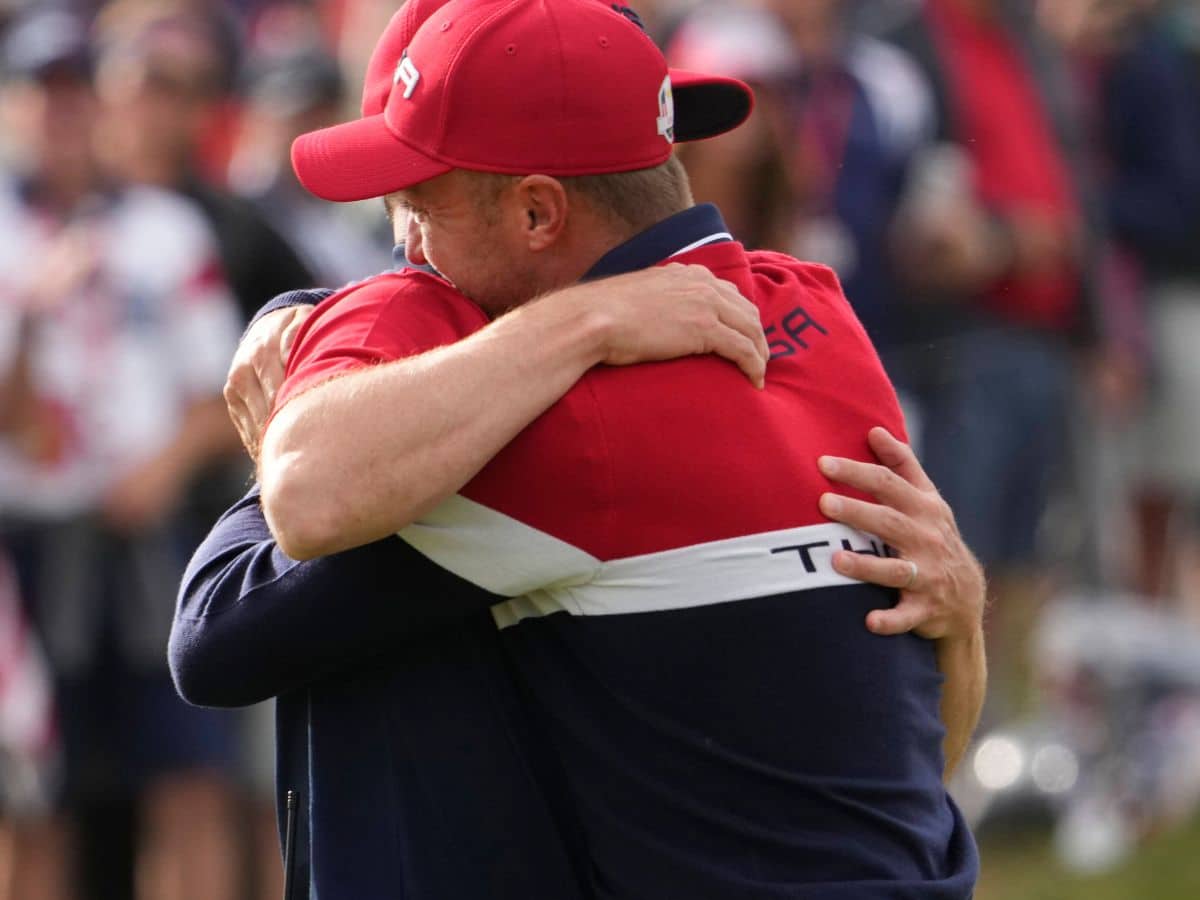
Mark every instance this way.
x=894 y=520
x=941 y=509
x=930 y=536
x=874 y=477
x=256 y=340
x=235 y=382
x=889 y=480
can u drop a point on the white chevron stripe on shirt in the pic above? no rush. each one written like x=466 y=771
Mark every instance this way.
x=543 y=574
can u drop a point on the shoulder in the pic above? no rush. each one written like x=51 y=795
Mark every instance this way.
x=800 y=295
x=781 y=271
x=410 y=296
x=398 y=314
x=383 y=319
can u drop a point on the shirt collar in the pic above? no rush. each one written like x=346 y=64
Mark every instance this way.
x=683 y=231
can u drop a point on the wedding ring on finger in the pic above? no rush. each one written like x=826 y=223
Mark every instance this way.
x=912 y=576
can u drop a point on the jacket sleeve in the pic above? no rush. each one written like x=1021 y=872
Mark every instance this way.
x=250 y=623
x=305 y=297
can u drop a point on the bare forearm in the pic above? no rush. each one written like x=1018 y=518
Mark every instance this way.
x=964 y=665
x=361 y=456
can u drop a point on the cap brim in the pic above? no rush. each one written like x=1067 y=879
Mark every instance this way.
x=708 y=105
x=359 y=160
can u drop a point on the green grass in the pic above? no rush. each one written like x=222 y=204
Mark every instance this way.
x=1023 y=867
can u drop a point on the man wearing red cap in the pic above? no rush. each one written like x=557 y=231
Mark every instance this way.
x=684 y=623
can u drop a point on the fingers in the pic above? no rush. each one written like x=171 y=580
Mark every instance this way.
x=269 y=369
x=742 y=352
x=248 y=427
x=301 y=313
x=878 y=481
x=696 y=313
x=745 y=317
x=911 y=613
x=735 y=332
x=947 y=596
x=882 y=570
x=908 y=615
x=245 y=388
x=257 y=372
x=743 y=342
x=892 y=526
x=899 y=457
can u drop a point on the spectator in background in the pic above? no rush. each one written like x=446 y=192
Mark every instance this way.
x=995 y=239
x=741 y=171
x=1145 y=115
x=293 y=92
x=164 y=69
x=819 y=170
x=116 y=329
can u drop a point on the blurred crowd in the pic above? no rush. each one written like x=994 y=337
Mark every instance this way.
x=1009 y=191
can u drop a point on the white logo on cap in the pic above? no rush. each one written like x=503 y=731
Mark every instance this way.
x=406 y=72
x=666 y=111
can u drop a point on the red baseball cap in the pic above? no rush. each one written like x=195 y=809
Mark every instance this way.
x=556 y=87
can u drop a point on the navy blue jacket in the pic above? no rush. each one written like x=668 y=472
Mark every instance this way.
x=422 y=768
x=394 y=711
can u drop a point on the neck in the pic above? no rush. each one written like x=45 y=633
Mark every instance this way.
x=584 y=246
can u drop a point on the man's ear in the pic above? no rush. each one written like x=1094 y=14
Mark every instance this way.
x=544 y=208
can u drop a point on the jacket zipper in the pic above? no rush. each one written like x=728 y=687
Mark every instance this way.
x=289 y=847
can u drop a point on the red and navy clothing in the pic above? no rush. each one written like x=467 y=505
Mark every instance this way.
x=1019 y=165
x=704 y=702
